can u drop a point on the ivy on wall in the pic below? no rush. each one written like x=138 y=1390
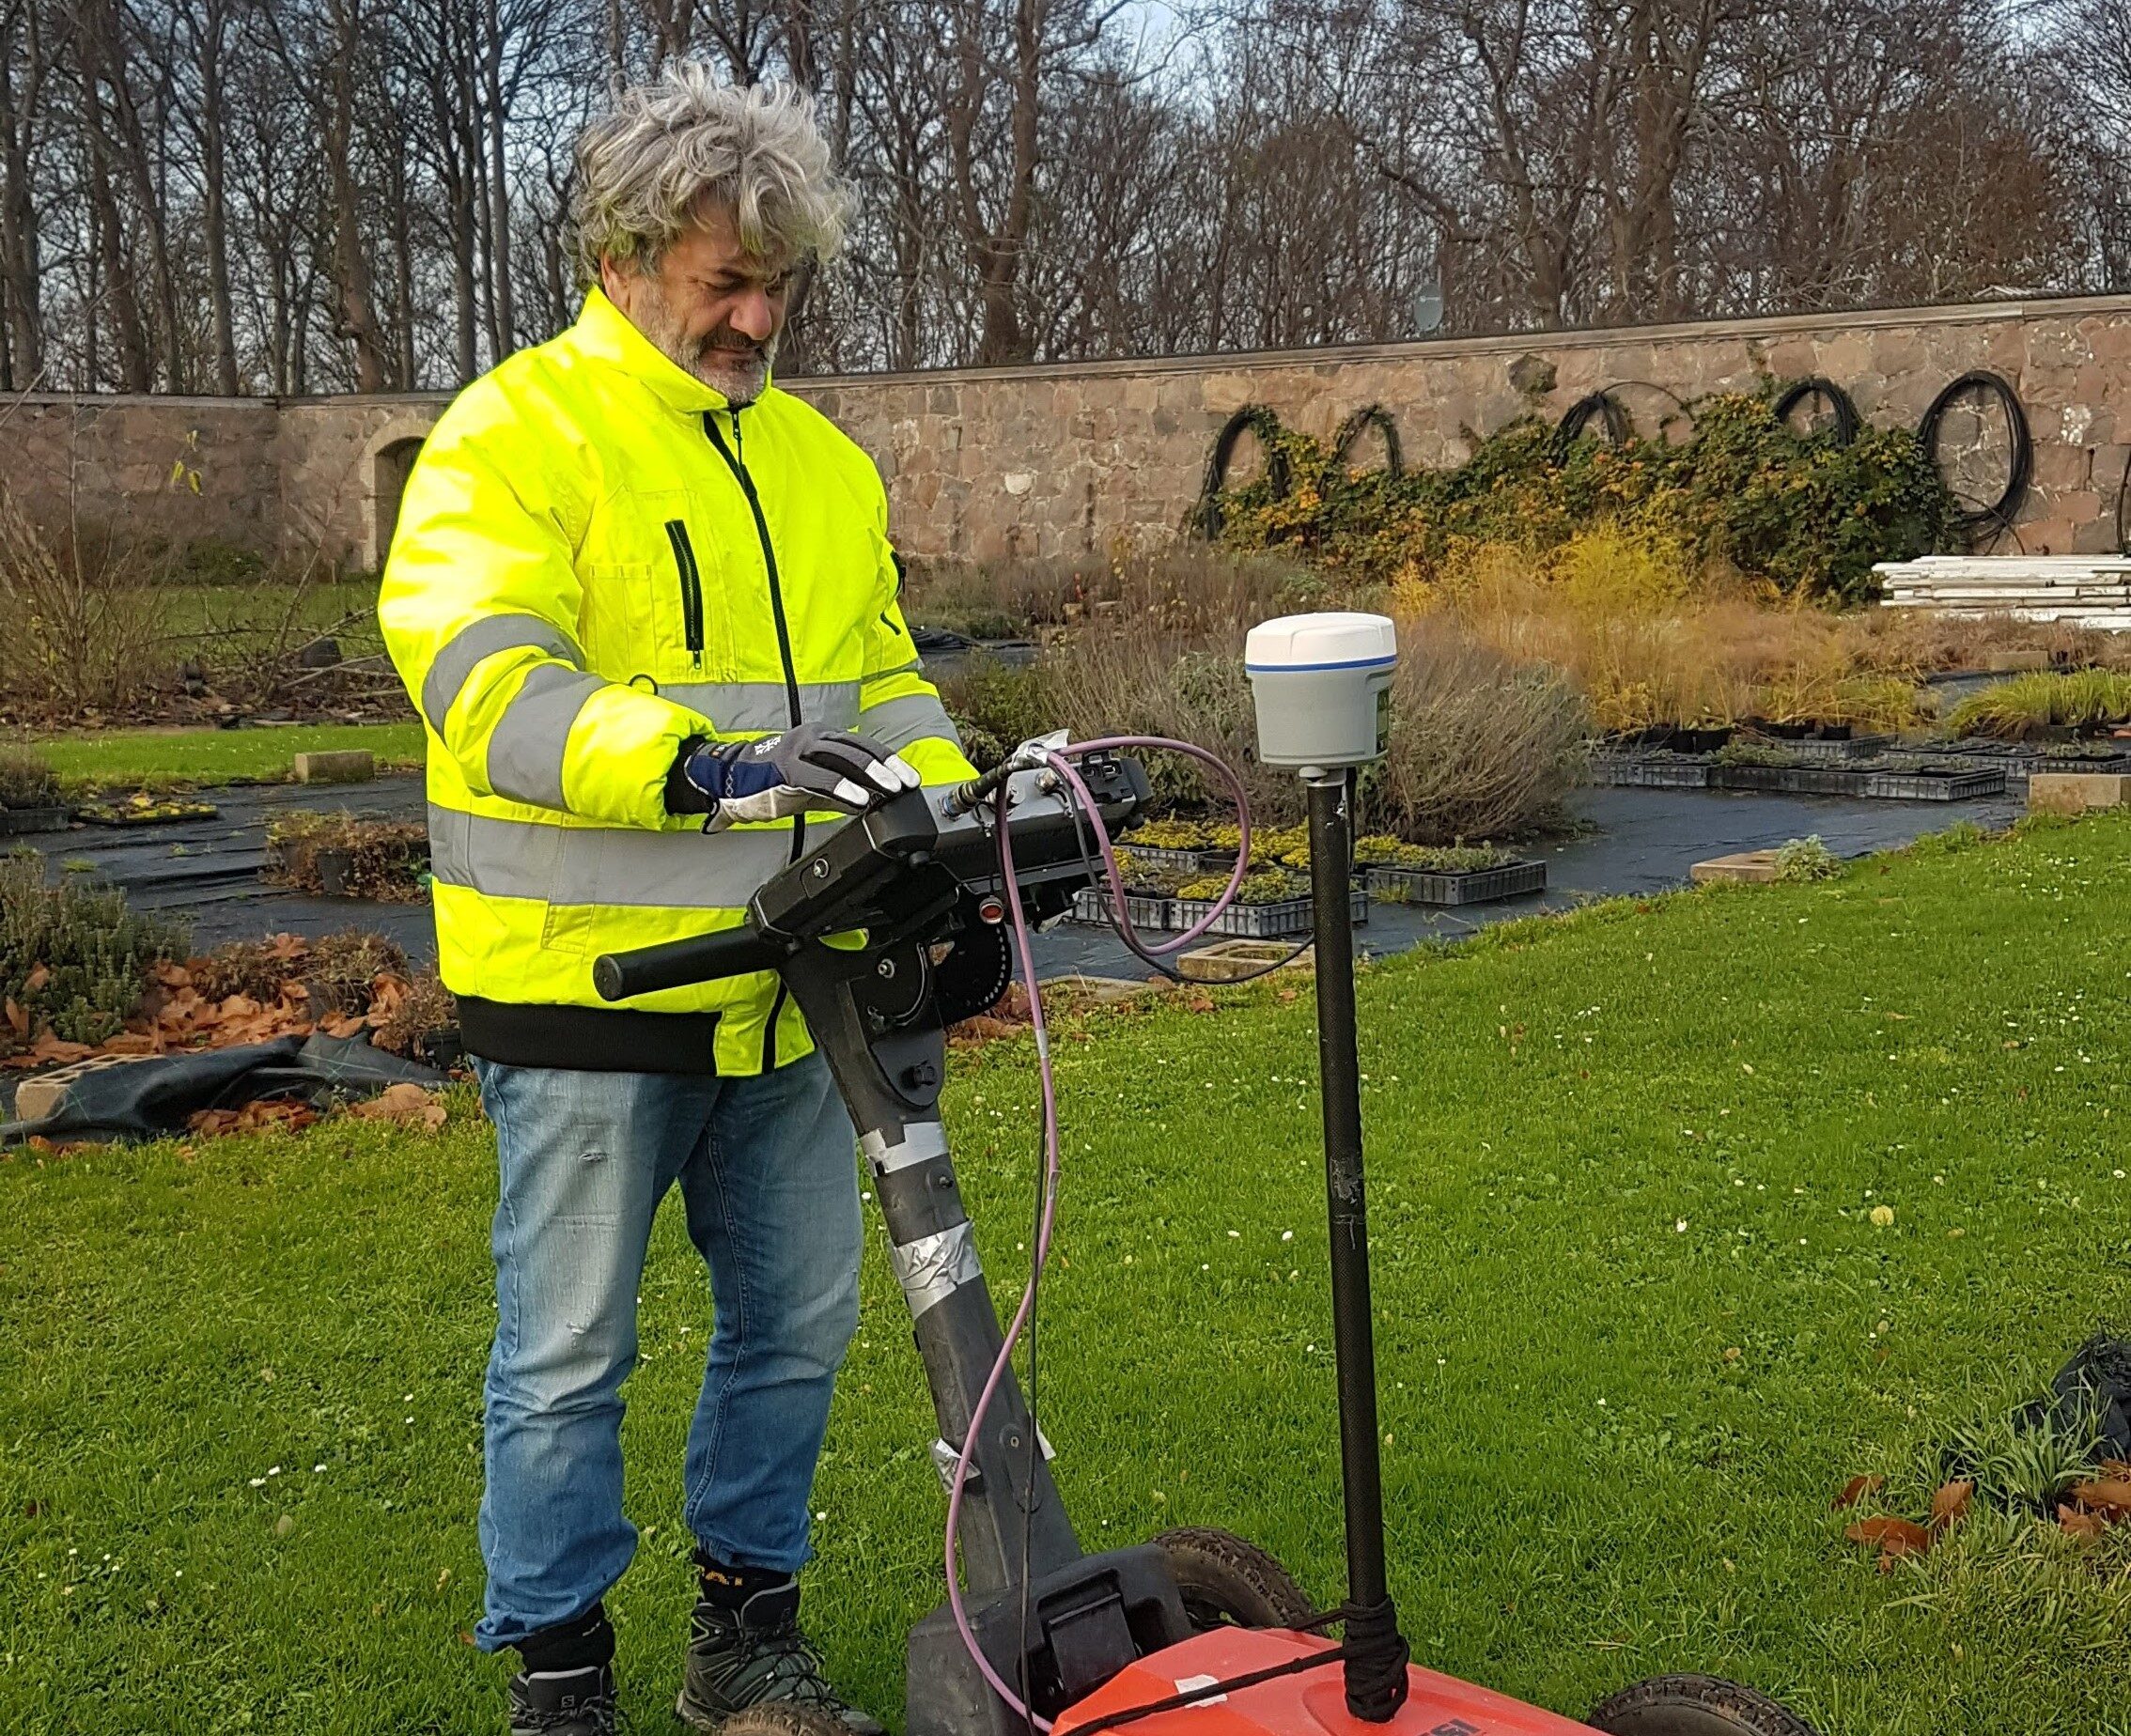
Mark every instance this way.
x=1807 y=512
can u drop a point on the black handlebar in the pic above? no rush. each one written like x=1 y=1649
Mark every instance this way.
x=698 y=958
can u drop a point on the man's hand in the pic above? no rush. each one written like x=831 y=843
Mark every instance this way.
x=806 y=767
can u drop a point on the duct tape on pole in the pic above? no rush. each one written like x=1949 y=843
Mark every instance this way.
x=1322 y=688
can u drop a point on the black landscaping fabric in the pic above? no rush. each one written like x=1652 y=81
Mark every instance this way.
x=149 y=1097
x=2094 y=1385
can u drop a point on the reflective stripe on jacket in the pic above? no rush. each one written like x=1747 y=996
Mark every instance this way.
x=595 y=560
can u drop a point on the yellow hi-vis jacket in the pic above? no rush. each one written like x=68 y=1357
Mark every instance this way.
x=596 y=559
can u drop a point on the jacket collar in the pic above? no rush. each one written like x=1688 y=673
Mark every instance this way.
x=606 y=333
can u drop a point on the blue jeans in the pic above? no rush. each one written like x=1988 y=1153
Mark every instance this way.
x=769 y=1180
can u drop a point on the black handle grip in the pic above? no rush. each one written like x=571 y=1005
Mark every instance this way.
x=699 y=958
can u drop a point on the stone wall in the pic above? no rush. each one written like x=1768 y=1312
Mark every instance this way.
x=1070 y=459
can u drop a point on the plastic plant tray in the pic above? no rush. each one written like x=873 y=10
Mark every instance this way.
x=15 y=821
x=1261 y=921
x=1147 y=912
x=1850 y=748
x=1789 y=780
x=1474 y=886
x=1653 y=774
x=1923 y=787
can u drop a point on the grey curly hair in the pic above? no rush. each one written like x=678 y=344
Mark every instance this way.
x=648 y=165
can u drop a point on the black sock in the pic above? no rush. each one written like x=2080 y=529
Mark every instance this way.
x=585 y=1643
x=730 y=1587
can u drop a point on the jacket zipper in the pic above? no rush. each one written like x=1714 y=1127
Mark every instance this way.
x=690 y=585
x=735 y=461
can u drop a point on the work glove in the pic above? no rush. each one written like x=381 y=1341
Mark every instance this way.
x=806 y=767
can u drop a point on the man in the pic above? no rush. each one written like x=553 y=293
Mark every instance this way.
x=648 y=606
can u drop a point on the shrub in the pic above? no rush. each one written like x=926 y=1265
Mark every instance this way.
x=386 y=857
x=2089 y=698
x=1440 y=858
x=26 y=779
x=86 y=626
x=73 y=956
x=1798 y=510
x=1261 y=886
x=1481 y=746
x=996 y=705
x=1804 y=859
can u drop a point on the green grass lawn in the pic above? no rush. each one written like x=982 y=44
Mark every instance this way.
x=162 y=759
x=241 y=1454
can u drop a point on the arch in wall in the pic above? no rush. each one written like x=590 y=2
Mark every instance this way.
x=388 y=456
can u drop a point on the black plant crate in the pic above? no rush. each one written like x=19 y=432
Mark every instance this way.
x=1473 y=886
x=1936 y=787
x=1191 y=862
x=1789 y=780
x=1260 y=921
x=14 y=821
x=1148 y=912
x=1838 y=747
x=1653 y=774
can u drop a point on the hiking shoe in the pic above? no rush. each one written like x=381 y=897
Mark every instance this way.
x=563 y=1702
x=756 y=1655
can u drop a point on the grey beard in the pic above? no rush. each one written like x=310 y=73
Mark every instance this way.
x=739 y=375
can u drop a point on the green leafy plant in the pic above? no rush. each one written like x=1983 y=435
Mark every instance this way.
x=1803 y=860
x=1738 y=752
x=1383 y=852
x=73 y=958
x=1260 y=887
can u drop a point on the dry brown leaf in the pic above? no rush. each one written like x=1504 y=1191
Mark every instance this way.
x=2116 y=1471
x=2085 y=1527
x=237 y=1006
x=1857 y=1487
x=291 y=947
x=36 y=979
x=1894 y=1537
x=172 y=976
x=409 y=1104
x=2111 y=1498
x=1950 y=1506
x=252 y=1118
x=18 y=1020
x=51 y=1048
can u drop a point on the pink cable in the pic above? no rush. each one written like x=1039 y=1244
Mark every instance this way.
x=1060 y=761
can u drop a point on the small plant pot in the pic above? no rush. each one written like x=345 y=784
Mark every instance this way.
x=1473 y=886
x=443 y=1049
x=16 y=821
x=334 y=868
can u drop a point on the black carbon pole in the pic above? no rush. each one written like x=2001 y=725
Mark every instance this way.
x=1375 y=1663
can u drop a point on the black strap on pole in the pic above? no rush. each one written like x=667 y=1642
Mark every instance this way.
x=1375 y=1653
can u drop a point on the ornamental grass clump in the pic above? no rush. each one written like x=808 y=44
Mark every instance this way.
x=385 y=858
x=74 y=959
x=27 y=779
x=2086 y=699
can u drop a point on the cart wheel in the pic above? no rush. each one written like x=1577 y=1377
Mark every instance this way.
x=1694 y=1706
x=1229 y=1583
x=783 y=1718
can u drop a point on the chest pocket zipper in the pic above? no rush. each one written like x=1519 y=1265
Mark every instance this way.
x=691 y=586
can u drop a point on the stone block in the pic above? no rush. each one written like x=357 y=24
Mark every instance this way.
x=1748 y=867
x=339 y=765
x=47 y=1092
x=2076 y=792
x=1228 y=961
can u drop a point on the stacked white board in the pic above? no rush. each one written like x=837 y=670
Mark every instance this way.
x=2082 y=590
